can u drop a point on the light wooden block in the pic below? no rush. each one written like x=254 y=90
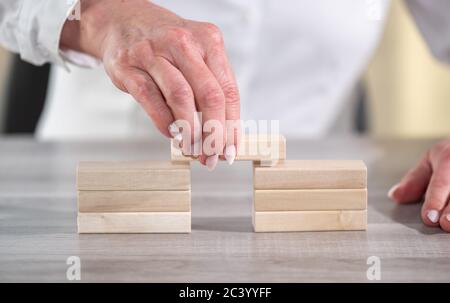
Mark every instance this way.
x=311 y=174
x=310 y=199
x=290 y=221
x=130 y=223
x=134 y=201
x=145 y=175
x=251 y=148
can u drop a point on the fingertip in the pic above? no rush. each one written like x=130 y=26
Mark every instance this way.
x=202 y=159
x=211 y=162
x=430 y=217
x=230 y=154
x=392 y=192
x=405 y=193
x=444 y=222
x=397 y=194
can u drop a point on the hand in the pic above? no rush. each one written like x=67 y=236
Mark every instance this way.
x=431 y=177
x=172 y=66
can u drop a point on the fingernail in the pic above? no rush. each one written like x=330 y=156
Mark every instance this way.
x=174 y=130
x=391 y=191
x=448 y=217
x=211 y=162
x=230 y=153
x=433 y=215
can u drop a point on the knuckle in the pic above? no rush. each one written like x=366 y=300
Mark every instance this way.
x=213 y=98
x=438 y=186
x=142 y=90
x=179 y=35
x=122 y=56
x=434 y=197
x=141 y=48
x=139 y=81
x=181 y=95
x=231 y=93
x=158 y=110
x=214 y=33
x=116 y=78
x=143 y=93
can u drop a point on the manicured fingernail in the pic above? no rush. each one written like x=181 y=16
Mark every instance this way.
x=230 y=153
x=174 y=130
x=391 y=191
x=211 y=162
x=433 y=215
x=448 y=217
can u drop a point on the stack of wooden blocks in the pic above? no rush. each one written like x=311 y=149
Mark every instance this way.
x=134 y=197
x=289 y=195
x=301 y=195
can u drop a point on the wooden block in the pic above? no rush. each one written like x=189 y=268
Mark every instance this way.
x=311 y=174
x=145 y=175
x=261 y=148
x=310 y=199
x=130 y=223
x=329 y=220
x=134 y=201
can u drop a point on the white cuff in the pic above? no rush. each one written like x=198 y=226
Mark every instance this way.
x=40 y=30
x=79 y=58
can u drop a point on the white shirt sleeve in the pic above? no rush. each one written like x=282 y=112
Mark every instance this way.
x=33 y=28
x=433 y=20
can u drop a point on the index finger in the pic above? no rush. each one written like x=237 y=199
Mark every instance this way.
x=209 y=96
x=217 y=61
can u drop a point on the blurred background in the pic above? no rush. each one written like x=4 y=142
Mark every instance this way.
x=406 y=91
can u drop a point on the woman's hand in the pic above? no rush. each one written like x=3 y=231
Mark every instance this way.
x=172 y=66
x=430 y=178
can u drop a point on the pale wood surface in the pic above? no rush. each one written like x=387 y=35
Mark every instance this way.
x=266 y=149
x=134 y=201
x=38 y=222
x=311 y=174
x=310 y=199
x=324 y=220
x=133 y=175
x=116 y=223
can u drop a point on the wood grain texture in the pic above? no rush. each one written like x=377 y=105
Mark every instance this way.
x=38 y=225
x=264 y=149
x=134 y=201
x=290 y=221
x=311 y=174
x=310 y=199
x=139 y=175
x=134 y=223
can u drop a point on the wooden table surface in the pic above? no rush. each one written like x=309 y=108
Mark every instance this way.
x=38 y=222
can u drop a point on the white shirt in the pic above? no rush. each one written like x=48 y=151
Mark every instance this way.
x=295 y=61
